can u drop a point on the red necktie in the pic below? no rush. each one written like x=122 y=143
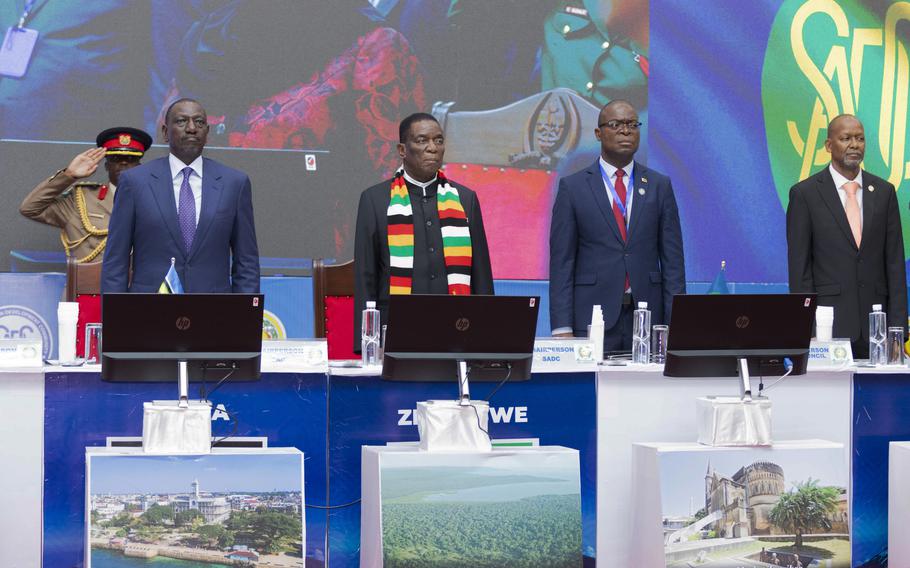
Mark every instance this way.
x=617 y=212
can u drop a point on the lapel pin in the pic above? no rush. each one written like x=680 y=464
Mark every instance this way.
x=871 y=188
x=644 y=180
x=641 y=191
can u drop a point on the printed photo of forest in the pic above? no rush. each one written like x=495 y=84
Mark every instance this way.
x=481 y=516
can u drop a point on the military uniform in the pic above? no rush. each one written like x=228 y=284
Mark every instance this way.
x=600 y=64
x=81 y=211
x=582 y=54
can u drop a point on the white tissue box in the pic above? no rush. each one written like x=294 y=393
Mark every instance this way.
x=446 y=425
x=169 y=429
x=730 y=421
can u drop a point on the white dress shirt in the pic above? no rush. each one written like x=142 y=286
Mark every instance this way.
x=839 y=181
x=195 y=181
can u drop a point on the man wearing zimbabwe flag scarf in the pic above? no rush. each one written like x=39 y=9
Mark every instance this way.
x=419 y=232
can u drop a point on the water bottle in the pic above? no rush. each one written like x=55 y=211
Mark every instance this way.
x=596 y=332
x=641 y=334
x=369 y=335
x=878 y=331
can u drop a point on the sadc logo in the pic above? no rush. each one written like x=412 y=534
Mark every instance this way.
x=19 y=322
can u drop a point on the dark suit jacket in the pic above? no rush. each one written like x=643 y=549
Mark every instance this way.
x=224 y=256
x=371 y=252
x=589 y=260
x=822 y=256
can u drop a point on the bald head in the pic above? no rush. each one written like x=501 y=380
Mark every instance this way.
x=842 y=120
x=614 y=106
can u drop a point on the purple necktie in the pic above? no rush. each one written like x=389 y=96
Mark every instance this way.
x=186 y=213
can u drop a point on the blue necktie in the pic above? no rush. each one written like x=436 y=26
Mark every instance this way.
x=186 y=213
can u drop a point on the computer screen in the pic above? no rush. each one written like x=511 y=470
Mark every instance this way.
x=427 y=335
x=146 y=335
x=710 y=333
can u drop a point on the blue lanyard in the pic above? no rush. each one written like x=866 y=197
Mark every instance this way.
x=609 y=184
x=29 y=4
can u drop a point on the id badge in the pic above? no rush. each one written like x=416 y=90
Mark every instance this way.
x=16 y=51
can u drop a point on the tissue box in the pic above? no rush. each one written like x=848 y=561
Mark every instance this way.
x=446 y=425
x=169 y=429
x=730 y=421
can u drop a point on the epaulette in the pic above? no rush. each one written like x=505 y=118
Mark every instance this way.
x=88 y=184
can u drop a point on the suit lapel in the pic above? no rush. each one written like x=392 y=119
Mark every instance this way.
x=596 y=185
x=868 y=207
x=640 y=182
x=162 y=187
x=211 y=196
x=829 y=195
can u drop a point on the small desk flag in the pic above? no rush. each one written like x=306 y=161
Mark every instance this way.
x=719 y=286
x=171 y=284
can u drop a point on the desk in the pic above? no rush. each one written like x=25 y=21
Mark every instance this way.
x=49 y=417
x=552 y=408
x=330 y=417
x=644 y=406
x=21 y=461
x=898 y=504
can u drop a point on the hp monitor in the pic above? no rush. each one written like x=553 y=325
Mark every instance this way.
x=719 y=335
x=155 y=337
x=444 y=338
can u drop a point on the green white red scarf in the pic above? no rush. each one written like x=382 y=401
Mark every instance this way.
x=456 y=237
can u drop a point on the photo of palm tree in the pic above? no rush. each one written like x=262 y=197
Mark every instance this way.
x=751 y=507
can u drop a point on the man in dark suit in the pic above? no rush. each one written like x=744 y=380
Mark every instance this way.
x=615 y=238
x=186 y=207
x=844 y=239
x=418 y=232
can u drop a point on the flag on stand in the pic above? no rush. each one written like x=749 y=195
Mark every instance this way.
x=719 y=286
x=171 y=284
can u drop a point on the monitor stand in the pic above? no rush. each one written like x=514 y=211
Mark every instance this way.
x=183 y=385
x=464 y=391
x=745 y=385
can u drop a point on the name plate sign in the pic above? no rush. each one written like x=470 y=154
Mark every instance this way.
x=20 y=353
x=295 y=355
x=563 y=355
x=827 y=354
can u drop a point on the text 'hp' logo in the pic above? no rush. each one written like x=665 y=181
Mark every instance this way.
x=742 y=322
x=183 y=323
x=462 y=324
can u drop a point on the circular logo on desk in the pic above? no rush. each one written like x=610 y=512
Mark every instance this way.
x=19 y=322
x=462 y=324
x=839 y=354
x=742 y=322
x=272 y=326
x=183 y=323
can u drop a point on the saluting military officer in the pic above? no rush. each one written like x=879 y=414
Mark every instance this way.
x=82 y=209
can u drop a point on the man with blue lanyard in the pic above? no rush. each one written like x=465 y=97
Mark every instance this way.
x=615 y=238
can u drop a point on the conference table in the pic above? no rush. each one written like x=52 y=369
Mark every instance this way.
x=48 y=416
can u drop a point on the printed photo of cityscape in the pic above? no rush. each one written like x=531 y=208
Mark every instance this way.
x=745 y=508
x=237 y=509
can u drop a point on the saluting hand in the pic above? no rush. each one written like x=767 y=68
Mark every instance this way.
x=85 y=163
